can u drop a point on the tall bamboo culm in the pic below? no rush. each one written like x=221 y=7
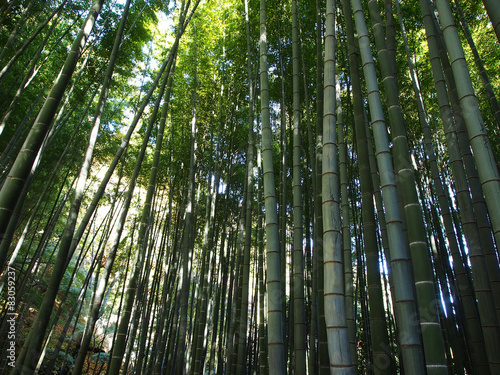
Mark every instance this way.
x=334 y=294
x=276 y=350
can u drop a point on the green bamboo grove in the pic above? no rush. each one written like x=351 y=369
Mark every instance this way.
x=249 y=187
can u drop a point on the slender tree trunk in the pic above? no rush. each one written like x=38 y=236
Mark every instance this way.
x=346 y=233
x=242 y=345
x=263 y=364
x=318 y=270
x=299 y=327
x=283 y=190
x=274 y=306
x=334 y=293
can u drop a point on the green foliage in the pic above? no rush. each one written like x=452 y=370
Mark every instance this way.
x=63 y=363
